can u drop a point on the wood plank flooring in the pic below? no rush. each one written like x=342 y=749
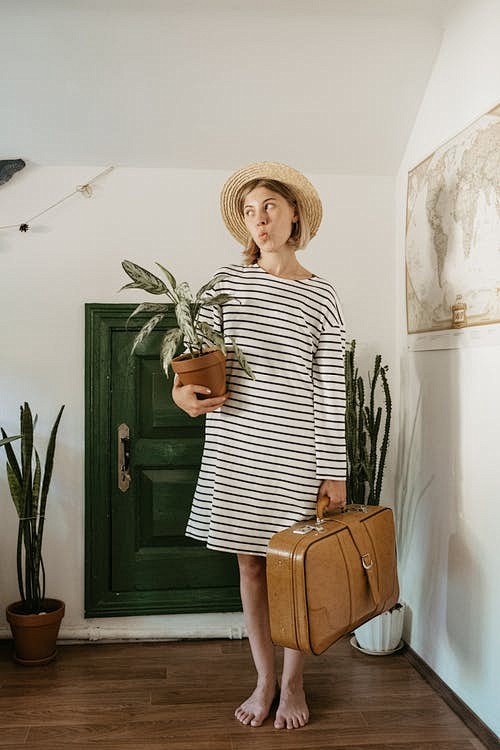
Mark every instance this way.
x=181 y=696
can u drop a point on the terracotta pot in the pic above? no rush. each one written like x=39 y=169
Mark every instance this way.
x=35 y=636
x=209 y=370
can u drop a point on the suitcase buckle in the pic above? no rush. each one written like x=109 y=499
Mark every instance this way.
x=304 y=530
x=367 y=563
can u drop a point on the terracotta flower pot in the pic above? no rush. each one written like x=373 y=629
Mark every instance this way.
x=209 y=370
x=35 y=636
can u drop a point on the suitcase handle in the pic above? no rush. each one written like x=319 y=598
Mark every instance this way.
x=323 y=502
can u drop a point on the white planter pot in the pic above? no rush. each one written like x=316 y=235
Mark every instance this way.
x=382 y=634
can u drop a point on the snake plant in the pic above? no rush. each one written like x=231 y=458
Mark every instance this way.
x=29 y=490
x=11 y=439
x=198 y=335
x=363 y=422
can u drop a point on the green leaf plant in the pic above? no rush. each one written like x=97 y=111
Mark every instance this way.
x=29 y=490
x=198 y=336
x=366 y=442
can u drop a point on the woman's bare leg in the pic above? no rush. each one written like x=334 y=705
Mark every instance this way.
x=253 y=586
x=292 y=711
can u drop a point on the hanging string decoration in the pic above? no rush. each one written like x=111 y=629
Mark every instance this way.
x=85 y=190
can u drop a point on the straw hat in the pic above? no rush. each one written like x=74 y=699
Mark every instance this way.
x=231 y=192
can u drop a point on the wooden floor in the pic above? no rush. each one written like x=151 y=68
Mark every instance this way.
x=181 y=696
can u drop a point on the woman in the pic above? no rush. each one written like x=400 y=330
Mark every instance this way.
x=273 y=444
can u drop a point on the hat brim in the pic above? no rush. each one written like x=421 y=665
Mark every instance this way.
x=232 y=189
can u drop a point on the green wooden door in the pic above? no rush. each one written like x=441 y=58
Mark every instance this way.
x=138 y=560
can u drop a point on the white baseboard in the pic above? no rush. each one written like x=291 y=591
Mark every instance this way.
x=154 y=628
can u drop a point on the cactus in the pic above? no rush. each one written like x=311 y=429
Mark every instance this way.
x=365 y=460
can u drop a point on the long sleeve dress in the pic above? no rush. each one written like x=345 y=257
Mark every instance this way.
x=275 y=439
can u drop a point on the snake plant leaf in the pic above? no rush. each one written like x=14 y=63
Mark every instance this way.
x=38 y=532
x=169 y=346
x=209 y=285
x=146 y=330
x=142 y=279
x=242 y=359
x=11 y=456
x=27 y=442
x=16 y=490
x=42 y=594
x=19 y=556
x=218 y=299
x=36 y=483
x=49 y=462
x=27 y=456
x=6 y=440
x=170 y=276
x=213 y=336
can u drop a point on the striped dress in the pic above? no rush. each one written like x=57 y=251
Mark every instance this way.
x=275 y=438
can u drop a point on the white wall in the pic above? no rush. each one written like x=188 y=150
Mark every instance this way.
x=72 y=256
x=332 y=85
x=450 y=579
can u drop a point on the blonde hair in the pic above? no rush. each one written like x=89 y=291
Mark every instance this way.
x=301 y=232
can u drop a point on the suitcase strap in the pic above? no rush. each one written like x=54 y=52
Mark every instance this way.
x=363 y=544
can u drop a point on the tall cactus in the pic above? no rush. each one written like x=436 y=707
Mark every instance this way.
x=355 y=434
x=365 y=461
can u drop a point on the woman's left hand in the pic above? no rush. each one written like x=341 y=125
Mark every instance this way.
x=335 y=489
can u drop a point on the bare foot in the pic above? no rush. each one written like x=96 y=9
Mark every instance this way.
x=292 y=711
x=255 y=710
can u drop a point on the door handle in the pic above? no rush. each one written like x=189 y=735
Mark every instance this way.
x=124 y=478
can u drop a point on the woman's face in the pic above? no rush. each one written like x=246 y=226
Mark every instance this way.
x=268 y=217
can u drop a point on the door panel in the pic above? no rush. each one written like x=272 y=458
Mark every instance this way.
x=138 y=560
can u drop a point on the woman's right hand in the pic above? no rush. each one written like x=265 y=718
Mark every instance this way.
x=185 y=398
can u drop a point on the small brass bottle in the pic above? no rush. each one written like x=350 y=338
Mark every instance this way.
x=458 y=314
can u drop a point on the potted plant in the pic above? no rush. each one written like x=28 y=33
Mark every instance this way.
x=204 y=362
x=35 y=619
x=367 y=442
x=366 y=460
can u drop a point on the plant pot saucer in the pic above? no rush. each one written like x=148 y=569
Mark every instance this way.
x=356 y=645
x=36 y=662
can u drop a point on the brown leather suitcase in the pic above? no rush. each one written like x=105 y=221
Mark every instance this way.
x=327 y=577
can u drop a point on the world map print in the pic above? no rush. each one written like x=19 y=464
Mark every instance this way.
x=453 y=230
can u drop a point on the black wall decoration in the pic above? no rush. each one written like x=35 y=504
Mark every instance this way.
x=9 y=167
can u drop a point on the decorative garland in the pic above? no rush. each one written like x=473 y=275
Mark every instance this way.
x=85 y=190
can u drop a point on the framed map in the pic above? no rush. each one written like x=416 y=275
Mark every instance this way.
x=453 y=231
